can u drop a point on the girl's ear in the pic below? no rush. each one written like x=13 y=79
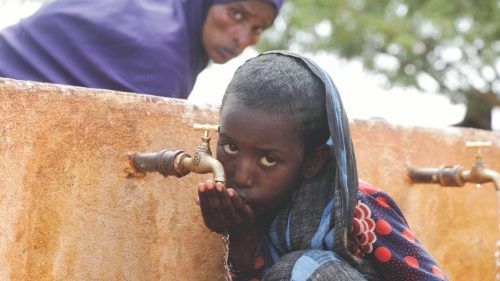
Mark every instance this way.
x=316 y=161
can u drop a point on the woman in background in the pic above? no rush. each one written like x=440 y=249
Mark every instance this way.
x=155 y=47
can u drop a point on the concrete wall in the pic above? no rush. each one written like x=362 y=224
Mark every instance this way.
x=458 y=225
x=67 y=210
x=69 y=213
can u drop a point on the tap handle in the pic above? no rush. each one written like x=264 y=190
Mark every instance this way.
x=206 y=128
x=478 y=145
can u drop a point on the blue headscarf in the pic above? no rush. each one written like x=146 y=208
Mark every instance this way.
x=148 y=46
x=338 y=182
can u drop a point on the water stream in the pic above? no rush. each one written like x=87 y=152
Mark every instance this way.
x=497 y=245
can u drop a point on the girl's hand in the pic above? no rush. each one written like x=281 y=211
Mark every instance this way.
x=224 y=212
x=223 y=209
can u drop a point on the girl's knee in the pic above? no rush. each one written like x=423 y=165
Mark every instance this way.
x=313 y=265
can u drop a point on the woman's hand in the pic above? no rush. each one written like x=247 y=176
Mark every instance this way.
x=223 y=209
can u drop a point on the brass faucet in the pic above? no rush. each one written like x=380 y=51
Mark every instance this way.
x=456 y=175
x=177 y=162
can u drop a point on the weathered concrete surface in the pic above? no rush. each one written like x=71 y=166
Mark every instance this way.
x=458 y=225
x=68 y=212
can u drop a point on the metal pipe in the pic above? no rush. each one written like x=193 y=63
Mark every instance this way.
x=445 y=175
x=177 y=162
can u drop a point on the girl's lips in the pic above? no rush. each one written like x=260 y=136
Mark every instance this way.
x=240 y=193
x=243 y=197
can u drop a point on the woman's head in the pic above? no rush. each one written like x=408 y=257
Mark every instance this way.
x=233 y=25
x=272 y=124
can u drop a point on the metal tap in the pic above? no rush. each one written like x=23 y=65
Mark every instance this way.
x=456 y=175
x=177 y=162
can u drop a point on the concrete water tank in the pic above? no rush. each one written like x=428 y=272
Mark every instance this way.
x=68 y=212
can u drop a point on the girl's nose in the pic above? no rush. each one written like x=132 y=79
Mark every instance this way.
x=242 y=176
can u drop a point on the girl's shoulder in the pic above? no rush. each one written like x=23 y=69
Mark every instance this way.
x=374 y=200
x=367 y=191
x=366 y=188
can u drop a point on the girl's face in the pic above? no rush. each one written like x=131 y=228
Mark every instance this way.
x=262 y=155
x=230 y=28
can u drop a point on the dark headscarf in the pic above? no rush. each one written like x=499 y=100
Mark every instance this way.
x=148 y=46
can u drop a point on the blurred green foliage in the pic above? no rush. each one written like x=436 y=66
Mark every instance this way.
x=448 y=46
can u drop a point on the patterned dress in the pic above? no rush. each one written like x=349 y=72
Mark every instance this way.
x=380 y=236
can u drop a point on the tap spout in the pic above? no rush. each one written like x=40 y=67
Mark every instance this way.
x=480 y=174
x=495 y=176
x=200 y=163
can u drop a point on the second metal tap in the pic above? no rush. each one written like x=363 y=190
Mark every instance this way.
x=456 y=175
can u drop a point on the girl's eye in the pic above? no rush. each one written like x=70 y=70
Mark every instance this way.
x=230 y=149
x=267 y=161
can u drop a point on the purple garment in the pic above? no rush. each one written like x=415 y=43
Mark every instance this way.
x=147 y=46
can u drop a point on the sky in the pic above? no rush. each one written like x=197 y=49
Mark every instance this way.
x=362 y=93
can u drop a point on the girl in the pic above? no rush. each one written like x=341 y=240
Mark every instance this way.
x=292 y=205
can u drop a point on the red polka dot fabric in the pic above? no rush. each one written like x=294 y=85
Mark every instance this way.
x=383 y=236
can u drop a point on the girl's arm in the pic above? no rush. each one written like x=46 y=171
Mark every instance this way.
x=260 y=259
